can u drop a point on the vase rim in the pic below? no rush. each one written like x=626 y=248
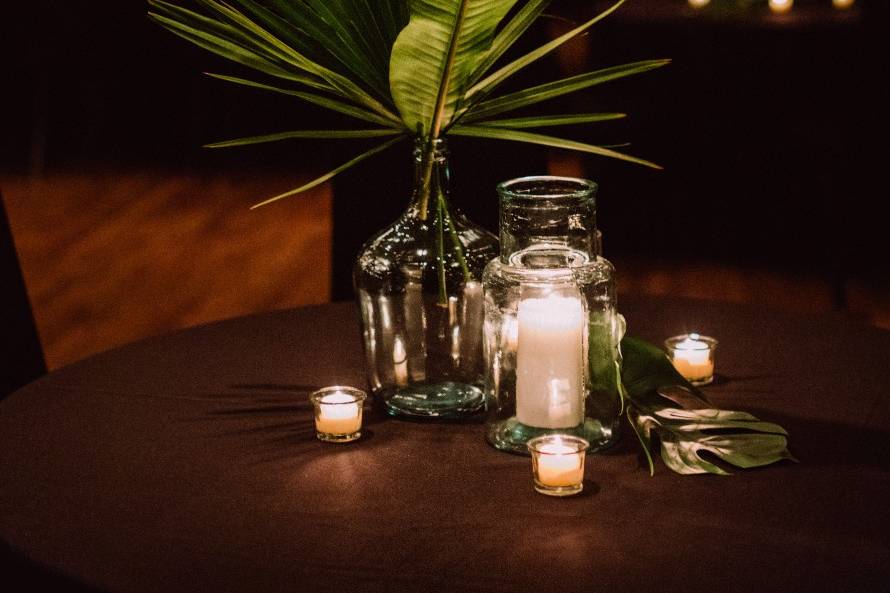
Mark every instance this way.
x=563 y=187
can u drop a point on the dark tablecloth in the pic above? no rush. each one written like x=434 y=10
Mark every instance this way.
x=188 y=462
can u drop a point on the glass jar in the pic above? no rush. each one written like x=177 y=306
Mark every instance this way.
x=552 y=330
x=418 y=283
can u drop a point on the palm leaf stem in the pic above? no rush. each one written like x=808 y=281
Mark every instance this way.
x=544 y=121
x=345 y=54
x=455 y=238
x=644 y=441
x=557 y=88
x=439 y=110
x=532 y=138
x=237 y=51
x=484 y=87
x=332 y=173
x=440 y=252
x=267 y=39
x=508 y=36
x=321 y=101
x=329 y=134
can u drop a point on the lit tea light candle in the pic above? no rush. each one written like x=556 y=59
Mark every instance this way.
x=780 y=6
x=550 y=362
x=842 y=4
x=558 y=464
x=338 y=413
x=693 y=357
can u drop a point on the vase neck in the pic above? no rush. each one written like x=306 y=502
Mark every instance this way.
x=546 y=219
x=432 y=177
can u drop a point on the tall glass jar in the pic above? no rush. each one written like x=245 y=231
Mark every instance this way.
x=418 y=284
x=552 y=329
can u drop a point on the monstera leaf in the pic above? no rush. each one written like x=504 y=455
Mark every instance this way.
x=693 y=434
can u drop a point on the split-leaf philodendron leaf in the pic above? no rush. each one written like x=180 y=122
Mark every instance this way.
x=694 y=436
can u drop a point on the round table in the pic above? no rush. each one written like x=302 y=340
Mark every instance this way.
x=188 y=462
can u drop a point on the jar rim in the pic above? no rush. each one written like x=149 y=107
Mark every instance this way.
x=572 y=188
x=358 y=395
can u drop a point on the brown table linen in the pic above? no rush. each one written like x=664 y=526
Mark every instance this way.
x=188 y=462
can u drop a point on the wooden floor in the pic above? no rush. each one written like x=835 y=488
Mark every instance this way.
x=111 y=257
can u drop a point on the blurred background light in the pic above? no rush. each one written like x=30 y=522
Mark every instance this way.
x=780 y=6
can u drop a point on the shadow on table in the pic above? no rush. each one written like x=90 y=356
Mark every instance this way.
x=284 y=426
x=296 y=388
x=19 y=573
x=822 y=443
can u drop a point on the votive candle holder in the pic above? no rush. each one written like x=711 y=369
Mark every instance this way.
x=558 y=463
x=338 y=413
x=693 y=357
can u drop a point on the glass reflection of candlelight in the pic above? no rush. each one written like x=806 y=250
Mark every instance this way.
x=842 y=4
x=400 y=360
x=699 y=3
x=780 y=6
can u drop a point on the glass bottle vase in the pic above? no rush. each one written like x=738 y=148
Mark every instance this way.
x=552 y=329
x=418 y=283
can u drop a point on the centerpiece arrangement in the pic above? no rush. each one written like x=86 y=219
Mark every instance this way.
x=420 y=71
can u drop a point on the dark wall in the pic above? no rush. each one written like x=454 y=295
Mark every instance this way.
x=98 y=83
x=771 y=131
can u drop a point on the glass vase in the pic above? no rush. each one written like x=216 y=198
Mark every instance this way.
x=552 y=329
x=418 y=283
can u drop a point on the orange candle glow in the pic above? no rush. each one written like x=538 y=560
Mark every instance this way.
x=780 y=6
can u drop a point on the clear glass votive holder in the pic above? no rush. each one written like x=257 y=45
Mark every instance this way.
x=558 y=463
x=338 y=413
x=693 y=357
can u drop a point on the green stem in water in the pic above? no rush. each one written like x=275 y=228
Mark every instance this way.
x=643 y=442
x=426 y=161
x=452 y=232
x=439 y=111
x=440 y=254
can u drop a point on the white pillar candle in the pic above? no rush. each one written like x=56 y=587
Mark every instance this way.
x=560 y=465
x=338 y=413
x=549 y=362
x=692 y=358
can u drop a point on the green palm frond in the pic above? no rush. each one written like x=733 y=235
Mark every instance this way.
x=405 y=67
x=550 y=90
x=532 y=138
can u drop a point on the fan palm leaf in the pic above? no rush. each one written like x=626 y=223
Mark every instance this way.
x=405 y=67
